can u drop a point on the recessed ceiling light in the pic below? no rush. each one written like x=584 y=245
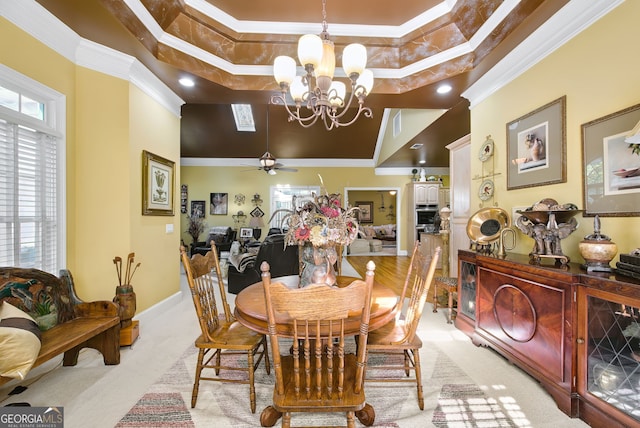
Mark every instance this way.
x=185 y=81
x=422 y=162
x=443 y=89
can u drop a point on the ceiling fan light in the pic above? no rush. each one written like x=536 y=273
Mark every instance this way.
x=284 y=69
x=297 y=88
x=354 y=59
x=310 y=50
x=364 y=81
x=337 y=92
x=267 y=160
x=272 y=172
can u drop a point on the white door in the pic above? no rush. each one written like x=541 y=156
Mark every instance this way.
x=460 y=184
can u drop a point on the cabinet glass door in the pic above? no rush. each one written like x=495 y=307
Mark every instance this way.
x=467 y=300
x=613 y=354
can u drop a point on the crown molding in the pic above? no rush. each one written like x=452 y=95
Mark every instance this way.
x=38 y=22
x=572 y=19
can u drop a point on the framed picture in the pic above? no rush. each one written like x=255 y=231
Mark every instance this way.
x=198 y=208
x=611 y=171
x=257 y=212
x=218 y=203
x=184 y=195
x=246 y=232
x=537 y=146
x=365 y=212
x=158 y=175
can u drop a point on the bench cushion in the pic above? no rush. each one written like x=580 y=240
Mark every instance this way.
x=19 y=342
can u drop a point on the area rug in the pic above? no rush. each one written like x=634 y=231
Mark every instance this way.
x=451 y=400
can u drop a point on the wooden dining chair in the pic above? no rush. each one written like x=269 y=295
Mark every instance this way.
x=316 y=372
x=222 y=336
x=398 y=340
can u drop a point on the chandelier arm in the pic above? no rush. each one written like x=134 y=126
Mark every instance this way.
x=304 y=121
x=361 y=110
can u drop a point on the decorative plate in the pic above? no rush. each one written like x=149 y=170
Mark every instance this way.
x=486 y=151
x=486 y=190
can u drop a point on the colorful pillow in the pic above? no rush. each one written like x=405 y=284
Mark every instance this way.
x=20 y=342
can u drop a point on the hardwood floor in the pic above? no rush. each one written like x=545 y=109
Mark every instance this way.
x=390 y=270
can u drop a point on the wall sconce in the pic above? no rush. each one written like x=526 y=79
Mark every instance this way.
x=239 y=218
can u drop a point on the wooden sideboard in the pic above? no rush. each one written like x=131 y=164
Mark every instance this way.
x=562 y=326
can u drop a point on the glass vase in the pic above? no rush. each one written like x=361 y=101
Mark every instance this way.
x=317 y=264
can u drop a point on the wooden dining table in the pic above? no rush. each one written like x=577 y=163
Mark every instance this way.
x=251 y=311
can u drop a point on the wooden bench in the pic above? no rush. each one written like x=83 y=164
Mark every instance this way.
x=80 y=324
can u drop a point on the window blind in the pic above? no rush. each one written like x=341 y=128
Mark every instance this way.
x=28 y=197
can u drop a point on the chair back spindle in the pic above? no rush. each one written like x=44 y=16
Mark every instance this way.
x=318 y=372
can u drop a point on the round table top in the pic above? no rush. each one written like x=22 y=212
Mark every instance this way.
x=250 y=307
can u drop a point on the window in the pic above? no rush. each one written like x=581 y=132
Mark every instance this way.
x=282 y=199
x=32 y=231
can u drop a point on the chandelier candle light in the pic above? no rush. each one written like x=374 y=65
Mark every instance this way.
x=322 y=95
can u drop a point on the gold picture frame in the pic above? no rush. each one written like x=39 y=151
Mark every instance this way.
x=158 y=179
x=537 y=147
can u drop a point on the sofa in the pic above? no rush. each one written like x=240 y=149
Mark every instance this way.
x=371 y=239
x=223 y=236
x=283 y=260
x=383 y=232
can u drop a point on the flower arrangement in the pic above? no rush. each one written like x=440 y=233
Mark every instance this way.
x=321 y=222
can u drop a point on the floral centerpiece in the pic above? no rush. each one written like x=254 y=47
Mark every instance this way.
x=318 y=227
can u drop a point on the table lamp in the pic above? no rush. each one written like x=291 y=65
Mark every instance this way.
x=256 y=223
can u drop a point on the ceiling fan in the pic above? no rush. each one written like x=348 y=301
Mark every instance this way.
x=268 y=163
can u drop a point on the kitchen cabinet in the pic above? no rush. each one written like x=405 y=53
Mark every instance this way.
x=426 y=193
x=444 y=198
x=563 y=326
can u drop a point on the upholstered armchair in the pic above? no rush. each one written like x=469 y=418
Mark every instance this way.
x=282 y=259
x=223 y=236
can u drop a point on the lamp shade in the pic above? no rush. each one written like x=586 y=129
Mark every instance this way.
x=297 y=88
x=310 y=50
x=256 y=222
x=284 y=69
x=267 y=160
x=337 y=93
x=365 y=80
x=354 y=59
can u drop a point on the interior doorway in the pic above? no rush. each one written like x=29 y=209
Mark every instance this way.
x=385 y=211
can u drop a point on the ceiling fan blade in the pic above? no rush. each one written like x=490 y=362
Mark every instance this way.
x=287 y=169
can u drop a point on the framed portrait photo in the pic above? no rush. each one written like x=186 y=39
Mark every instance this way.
x=198 y=208
x=611 y=170
x=158 y=175
x=246 y=232
x=218 y=203
x=365 y=212
x=537 y=146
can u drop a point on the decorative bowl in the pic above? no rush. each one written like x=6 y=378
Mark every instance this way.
x=537 y=217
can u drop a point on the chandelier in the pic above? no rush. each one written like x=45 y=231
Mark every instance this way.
x=316 y=90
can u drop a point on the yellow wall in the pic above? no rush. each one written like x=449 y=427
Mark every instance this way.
x=109 y=123
x=598 y=73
